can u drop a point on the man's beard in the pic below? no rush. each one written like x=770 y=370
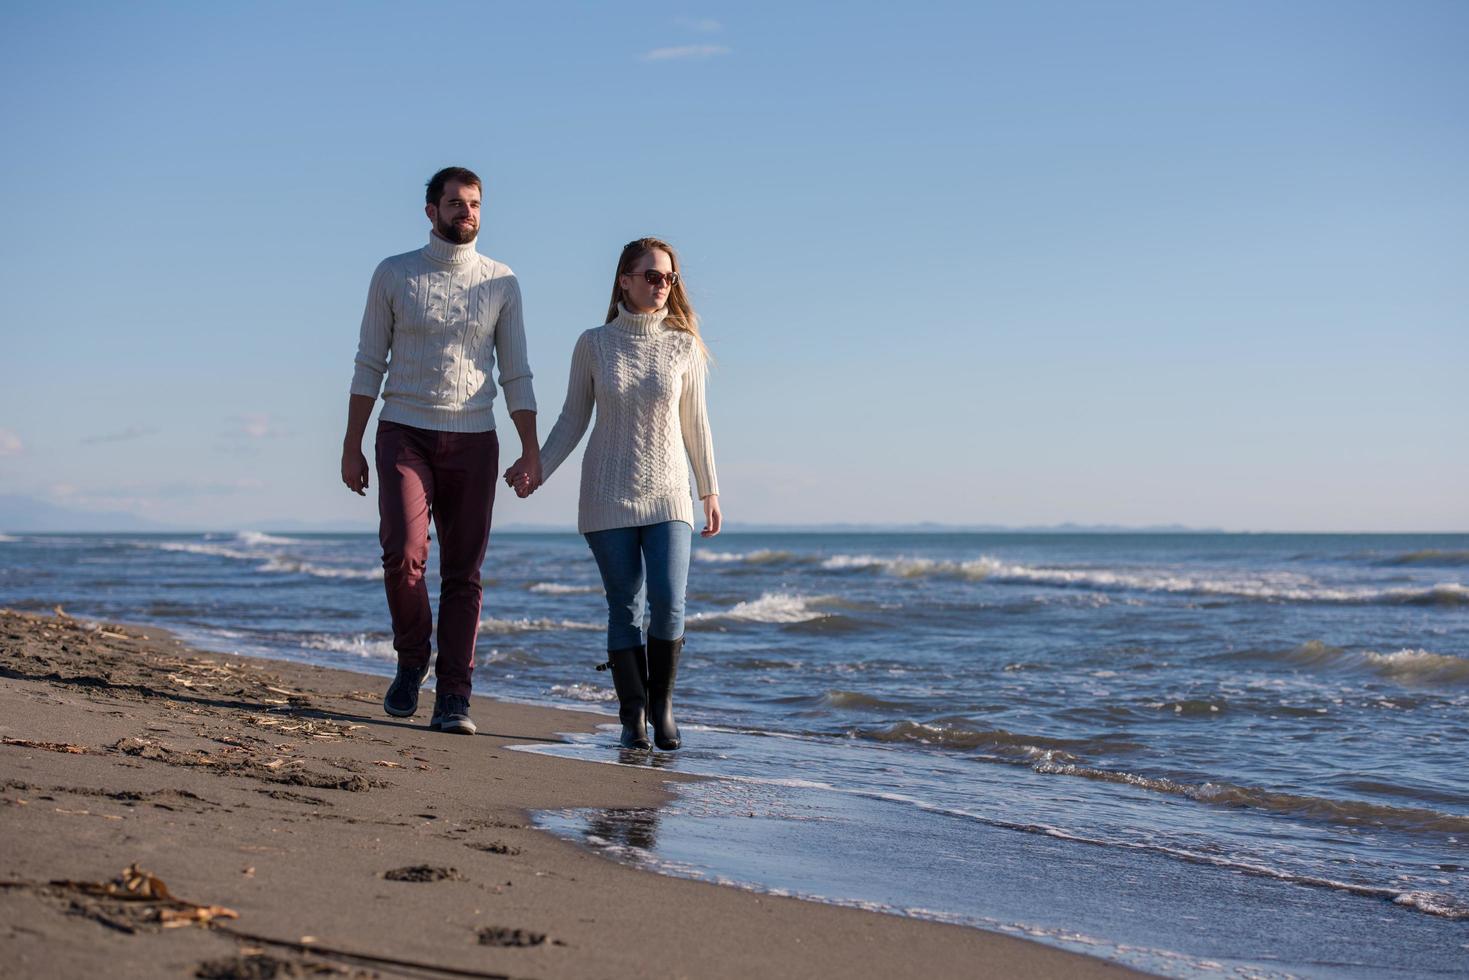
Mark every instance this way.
x=458 y=234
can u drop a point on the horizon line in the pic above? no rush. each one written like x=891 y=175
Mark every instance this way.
x=833 y=527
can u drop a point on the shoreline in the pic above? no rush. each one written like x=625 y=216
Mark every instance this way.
x=279 y=791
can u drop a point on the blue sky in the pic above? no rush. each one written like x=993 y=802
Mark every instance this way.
x=1107 y=262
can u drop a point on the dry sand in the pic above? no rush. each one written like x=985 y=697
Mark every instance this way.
x=281 y=825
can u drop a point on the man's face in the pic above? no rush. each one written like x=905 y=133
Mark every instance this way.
x=456 y=216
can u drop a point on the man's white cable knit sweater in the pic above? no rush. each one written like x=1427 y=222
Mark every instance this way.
x=646 y=382
x=445 y=314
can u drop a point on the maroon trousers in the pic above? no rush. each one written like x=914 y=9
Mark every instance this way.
x=449 y=478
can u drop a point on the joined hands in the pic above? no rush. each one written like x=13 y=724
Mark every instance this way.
x=524 y=477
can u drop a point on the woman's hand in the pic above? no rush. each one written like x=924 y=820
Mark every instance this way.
x=524 y=477
x=713 y=520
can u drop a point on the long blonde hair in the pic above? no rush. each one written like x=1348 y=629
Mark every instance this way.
x=681 y=315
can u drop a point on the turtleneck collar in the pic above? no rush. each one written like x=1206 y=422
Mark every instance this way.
x=641 y=324
x=442 y=250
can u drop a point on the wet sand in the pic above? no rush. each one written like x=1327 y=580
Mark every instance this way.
x=278 y=824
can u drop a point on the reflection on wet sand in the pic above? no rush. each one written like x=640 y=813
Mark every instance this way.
x=633 y=828
x=646 y=759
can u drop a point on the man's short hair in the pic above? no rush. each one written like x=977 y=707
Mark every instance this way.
x=438 y=181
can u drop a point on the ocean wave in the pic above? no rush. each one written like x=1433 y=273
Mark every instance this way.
x=764 y=556
x=1406 y=666
x=1419 y=666
x=214 y=550
x=363 y=645
x=274 y=564
x=515 y=658
x=255 y=538
x=856 y=700
x=1192 y=706
x=1443 y=594
x=492 y=625
x=1268 y=586
x=8 y=539
x=1354 y=813
x=762 y=663
x=377 y=647
x=997 y=741
x=1431 y=556
x=291 y=566
x=584 y=692
x=1432 y=903
x=771 y=607
x=556 y=588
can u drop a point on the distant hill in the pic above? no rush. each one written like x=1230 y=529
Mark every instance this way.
x=931 y=527
x=27 y=514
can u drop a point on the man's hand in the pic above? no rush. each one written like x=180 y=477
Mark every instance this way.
x=354 y=464
x=713 y=520
x=525 y=476
x=354 y=470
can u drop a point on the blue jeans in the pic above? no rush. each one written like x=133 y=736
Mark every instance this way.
x=643 y=564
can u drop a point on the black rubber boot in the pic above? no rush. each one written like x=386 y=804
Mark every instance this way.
x=629 y=676
x=662 y=669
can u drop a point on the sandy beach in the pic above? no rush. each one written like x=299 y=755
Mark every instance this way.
x=278 y=824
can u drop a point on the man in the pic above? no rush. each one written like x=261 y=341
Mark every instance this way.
x=438 y=320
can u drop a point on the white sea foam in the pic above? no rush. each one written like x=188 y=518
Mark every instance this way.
x=292 y=567
x=1433 y=903
x=763 y=556
x=1288 y=586
x=216 y=550
x=584 y=692
x=556 y=588
x=269 y=562
x=513 y=657
x=253 y=538
x=772 y=607
x=7 y=539
x=492 y=625
x=367 y=647
x=1409 y=666
x=1419 y=665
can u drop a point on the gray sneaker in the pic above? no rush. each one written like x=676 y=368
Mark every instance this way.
x=451 y=714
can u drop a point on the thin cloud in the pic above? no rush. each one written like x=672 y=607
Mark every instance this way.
x=687 y=52
x=10 y=444
x=126 y=435
x=253 y=426
x=221 y=488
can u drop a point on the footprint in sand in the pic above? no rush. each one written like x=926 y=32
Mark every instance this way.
x=499 y=936
x=424 y=872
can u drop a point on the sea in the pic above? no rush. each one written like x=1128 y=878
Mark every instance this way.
x=1200 y=755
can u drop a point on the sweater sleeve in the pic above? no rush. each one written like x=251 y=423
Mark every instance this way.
x=510 y=352
x=576 y=413
x=376 y=338
x=693 y=417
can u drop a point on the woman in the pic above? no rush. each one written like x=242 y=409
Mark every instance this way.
x=643 y=370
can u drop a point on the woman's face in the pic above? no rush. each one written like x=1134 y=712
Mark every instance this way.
x=638 y=294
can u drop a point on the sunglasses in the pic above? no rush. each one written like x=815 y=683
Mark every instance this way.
x=655 y=278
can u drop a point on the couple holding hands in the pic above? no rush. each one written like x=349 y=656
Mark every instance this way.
x=438 y=321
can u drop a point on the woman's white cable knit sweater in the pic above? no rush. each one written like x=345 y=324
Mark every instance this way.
x=646 y=382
